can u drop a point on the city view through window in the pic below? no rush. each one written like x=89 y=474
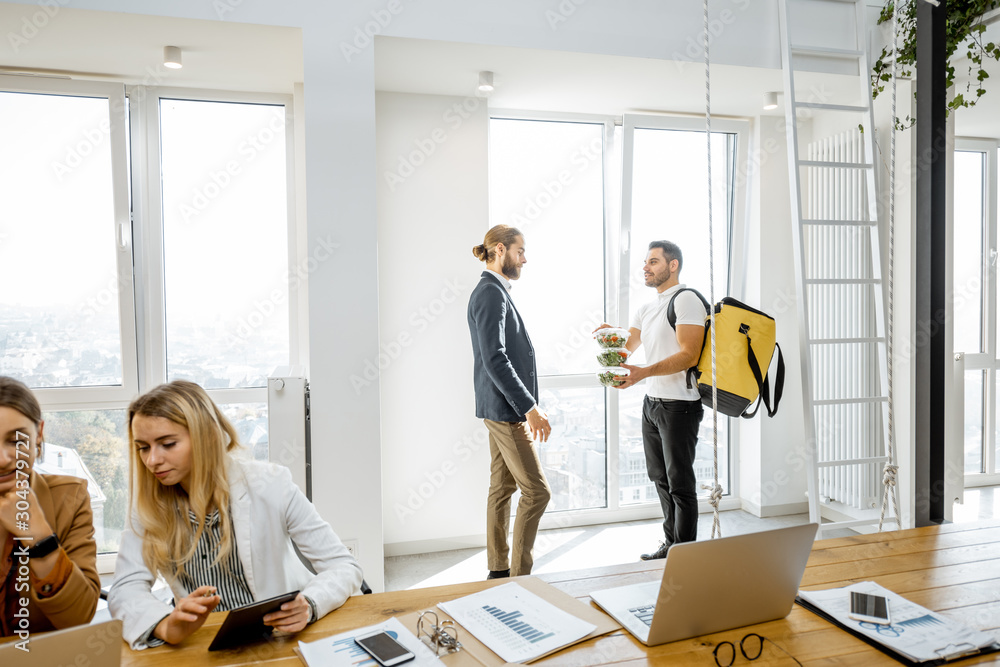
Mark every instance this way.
x=224 y=228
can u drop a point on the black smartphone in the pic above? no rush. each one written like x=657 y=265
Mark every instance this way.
x=386 y=650
x=869 y=608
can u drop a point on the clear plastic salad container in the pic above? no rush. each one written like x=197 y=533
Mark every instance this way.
x=611 y=337
x=612 y=356
x=611 y=377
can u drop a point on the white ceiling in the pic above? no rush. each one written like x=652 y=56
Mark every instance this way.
x=580 y=82
x=235 y=56
x=561 y=81
x=129 y=47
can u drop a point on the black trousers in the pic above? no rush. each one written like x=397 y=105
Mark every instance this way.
x=669 y=437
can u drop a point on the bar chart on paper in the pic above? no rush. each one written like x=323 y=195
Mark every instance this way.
x=530 y=633
x=516 y=624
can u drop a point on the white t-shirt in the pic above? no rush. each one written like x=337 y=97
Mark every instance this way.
x=660 y=339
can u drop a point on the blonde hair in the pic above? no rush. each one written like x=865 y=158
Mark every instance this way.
x=505 y=234
x=168 y=542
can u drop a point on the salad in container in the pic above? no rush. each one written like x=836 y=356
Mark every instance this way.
x=612 y=377
x=612 y=356
x=611 y=337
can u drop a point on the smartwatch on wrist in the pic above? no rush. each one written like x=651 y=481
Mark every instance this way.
x=44 y=547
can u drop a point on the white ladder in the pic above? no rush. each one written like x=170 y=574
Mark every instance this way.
x=838 y=277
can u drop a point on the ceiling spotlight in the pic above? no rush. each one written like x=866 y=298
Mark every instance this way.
x=770 y=101
x=172 y=57
x=486 y=82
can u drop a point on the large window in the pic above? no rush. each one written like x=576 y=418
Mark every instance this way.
x=547 y=179
x=589 y=195
x=669 y=200
x=225 y=212
x=65 y=302
x=145 y=238
x=975 y=303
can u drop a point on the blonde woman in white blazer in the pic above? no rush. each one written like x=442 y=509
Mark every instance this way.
x=218 y=528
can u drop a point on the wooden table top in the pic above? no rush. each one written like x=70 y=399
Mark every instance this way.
x=952 y=569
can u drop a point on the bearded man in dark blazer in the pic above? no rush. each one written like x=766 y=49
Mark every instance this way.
x=506 y=384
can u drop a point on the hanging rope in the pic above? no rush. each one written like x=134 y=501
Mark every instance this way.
x=889 y=488
x=715 y=490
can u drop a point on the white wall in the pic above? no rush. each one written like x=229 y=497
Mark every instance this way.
x=772 y=450
x=432 y=208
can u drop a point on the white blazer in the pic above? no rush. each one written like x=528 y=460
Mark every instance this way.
x=269 y=514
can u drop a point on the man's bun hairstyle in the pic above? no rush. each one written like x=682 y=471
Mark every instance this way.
x=505 y=234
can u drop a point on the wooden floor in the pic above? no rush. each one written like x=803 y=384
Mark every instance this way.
x=952 y=569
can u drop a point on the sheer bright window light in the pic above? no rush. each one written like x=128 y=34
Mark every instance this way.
x=770 y=101
x=486 y=82
x=172 y=57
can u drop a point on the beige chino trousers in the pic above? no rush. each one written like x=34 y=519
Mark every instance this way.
x=514 y=465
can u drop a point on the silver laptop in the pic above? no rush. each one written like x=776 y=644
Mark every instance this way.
x=715 y=585
x=96 y=645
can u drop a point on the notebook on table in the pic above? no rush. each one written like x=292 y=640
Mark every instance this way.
x=714 y=585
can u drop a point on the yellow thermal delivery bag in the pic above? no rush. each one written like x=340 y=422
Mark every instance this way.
x=744 y=347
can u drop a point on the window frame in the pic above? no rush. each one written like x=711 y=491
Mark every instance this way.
x=151 y=261
x=617 y=228
x=986 y=361
x=97 y=397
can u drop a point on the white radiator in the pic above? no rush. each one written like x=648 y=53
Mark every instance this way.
x=288 y=424
x=845 y=369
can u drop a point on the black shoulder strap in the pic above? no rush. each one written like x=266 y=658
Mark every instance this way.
x=765 y=386
x=672 y=314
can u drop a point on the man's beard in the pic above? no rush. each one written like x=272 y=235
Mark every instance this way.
x=510 y=268
x=653 y=281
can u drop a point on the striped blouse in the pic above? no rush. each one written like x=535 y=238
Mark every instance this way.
x=227 y=575
x=230 y=582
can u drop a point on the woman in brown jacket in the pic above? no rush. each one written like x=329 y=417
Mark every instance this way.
x=48 y=557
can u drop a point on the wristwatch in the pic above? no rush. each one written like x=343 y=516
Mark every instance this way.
x=312 y=610
x=44 y=547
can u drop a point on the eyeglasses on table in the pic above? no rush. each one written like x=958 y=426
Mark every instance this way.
x=751 y=646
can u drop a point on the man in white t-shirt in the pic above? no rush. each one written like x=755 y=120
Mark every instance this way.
x=672 y=411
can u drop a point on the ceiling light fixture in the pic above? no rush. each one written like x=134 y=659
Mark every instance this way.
x=172 y=57
x=770 y=101
x=486 y=82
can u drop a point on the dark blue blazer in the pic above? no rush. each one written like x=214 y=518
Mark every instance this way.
x=504 y=374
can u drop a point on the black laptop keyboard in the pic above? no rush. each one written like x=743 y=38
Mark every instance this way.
x=644 y=614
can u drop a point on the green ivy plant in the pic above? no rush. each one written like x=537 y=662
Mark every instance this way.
x=964 y=30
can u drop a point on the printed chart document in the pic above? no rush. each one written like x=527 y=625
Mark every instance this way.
x=515 y=623
x=916 y=634
x=341 y=650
